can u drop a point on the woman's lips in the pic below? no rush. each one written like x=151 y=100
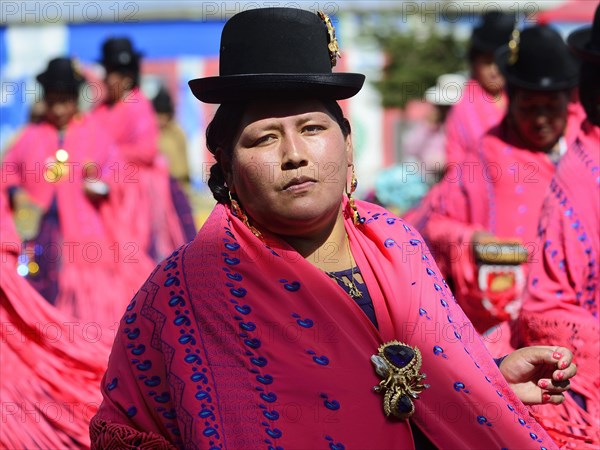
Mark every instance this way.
x=299 y=184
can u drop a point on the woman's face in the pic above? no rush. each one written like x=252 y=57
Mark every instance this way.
x=117 y=84
x=486 y=73
x=60 y=108
x=289 y=166
x=539 y=118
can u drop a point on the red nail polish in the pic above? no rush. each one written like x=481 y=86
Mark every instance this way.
x=557 y=355
x=543 y=384
x=563 y=365
x=545 y=398
x=560 y=375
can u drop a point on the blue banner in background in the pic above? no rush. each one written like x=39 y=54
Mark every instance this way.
x=156 y=40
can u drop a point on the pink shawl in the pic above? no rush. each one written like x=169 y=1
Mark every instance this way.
x=469 y=119
x=93 y=253
x=500 y=190
x=561 y=302
x=147 y=211
x=50 y=366
x=234 y=343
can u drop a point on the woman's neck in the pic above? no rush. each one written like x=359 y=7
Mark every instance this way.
x=111 y=101
x=328 y=249
x=126 y=94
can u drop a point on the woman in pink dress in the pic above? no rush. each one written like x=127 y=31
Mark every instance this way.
x=149 y=213
x=483 y=216
x=50 y=363
x=299 y=317
x=66 y=166
x=563 y=293
x=483 y=102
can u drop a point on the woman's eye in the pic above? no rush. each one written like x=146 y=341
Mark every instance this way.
x=313 y=128
x=263 y=140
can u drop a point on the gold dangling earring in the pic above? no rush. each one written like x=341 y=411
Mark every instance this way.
x=238 y=212
x=353 y=184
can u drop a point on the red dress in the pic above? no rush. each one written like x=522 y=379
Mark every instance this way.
x=50 y=363
x=500 y=190
x=469 y=119
x=561 y=301
x=98 y=271
x=147 y=210
x=235 y=342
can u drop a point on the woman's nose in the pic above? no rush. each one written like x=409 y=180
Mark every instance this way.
x=294 y=151
x=58 y=109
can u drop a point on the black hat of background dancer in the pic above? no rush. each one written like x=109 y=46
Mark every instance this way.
x=60 y=75
x=585 y=42
x=540 y=61
x=118 y=54
x=276 y=51
x=162 y=102
x=494 y=31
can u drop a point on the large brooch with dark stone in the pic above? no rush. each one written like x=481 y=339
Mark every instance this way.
x=398 y=365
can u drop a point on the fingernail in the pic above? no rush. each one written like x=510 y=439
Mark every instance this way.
x=545 y=398
x=543 y=384
x=556 y=355
x=563 y=365
x=560 y=375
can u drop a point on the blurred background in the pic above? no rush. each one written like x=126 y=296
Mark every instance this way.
x=402 y=47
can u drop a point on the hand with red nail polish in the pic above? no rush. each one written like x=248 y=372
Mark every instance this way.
x=539 y=374
x=559 y=376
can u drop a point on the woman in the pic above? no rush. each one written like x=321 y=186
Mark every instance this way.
x=172 y=141
x=271 y=327
x=67 y=166
x=155 y=222
x=483 y=217
x=562 y=297
x=50 y=363
x=483 y=103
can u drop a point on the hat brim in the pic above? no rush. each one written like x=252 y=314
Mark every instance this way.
x=578 y=41
x=236 y=88
x=502 y=57
x=51 y=84
x=440 y=97
x=137 y=56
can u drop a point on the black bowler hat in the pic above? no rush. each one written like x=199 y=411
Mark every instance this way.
x=118 y=54
x=494 y=31
x=60 y=75
x=277 y=51
x=539 y=61
x=162 y=102
x=585 y=42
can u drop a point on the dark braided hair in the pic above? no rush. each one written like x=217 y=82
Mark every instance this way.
x=224 y=127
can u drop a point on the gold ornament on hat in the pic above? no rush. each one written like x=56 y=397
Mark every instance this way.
x=513 y=45
x=334 y=49
x=398 y=365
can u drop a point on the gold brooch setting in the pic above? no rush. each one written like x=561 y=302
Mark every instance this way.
x=398 y=365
